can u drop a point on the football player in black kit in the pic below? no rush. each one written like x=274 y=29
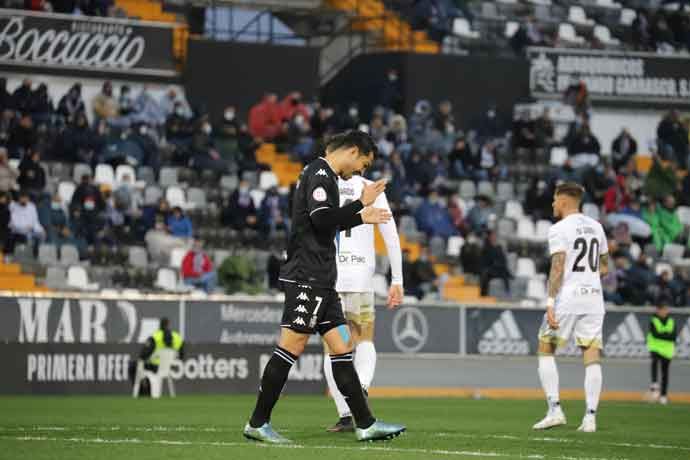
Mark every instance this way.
x=308 y=276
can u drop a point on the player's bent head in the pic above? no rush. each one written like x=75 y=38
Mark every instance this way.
x=356 y=148
x=567 y=195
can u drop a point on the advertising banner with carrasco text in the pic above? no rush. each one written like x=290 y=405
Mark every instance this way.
x=617 y=77
x=83 y=320
x=57 y=41
x=493 y=331
x=51 y=368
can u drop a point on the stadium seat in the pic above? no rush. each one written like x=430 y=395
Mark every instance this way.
x=467 y=189
x=591 y=210
x=542 y=230
x=490 y=11
x=603 y=34
x=683 y=213
x=219 y=256
x=525 y=229
x=47 y=254
x=558 y=156
x=577 y=15
x=673 y=252
x=69 y=255
x=408 y=225
x=125 y=170
x=229 y=182
x=80 y=169
x=539 y=2
x=152 y=194
x=104 y=175
x=166 y=279
x=267 y=180
x=462 y=29
x=566 y=33
x=66 y=190
x=628 y=16
x=176 y=256
x=505 y=191
x=168 y=177
x=497 y=289
x=196 y=197
x=525 y=268
x=510 y=29
x=176 y=197
x=455 y=244
x=662 y=267
x=138 y=257
x=78 y=278
x=608 y=4
x=56 y=277
x=146 y=174
x=252 y=177
x=505 y=228
x=536 y=289
x=437 y=247
x=513 y=210
x=257 y=197
x=485 y=188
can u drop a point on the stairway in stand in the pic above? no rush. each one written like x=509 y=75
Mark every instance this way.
x=12 y=279
x=286 y=170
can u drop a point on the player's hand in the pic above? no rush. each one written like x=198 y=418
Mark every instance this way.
x=375 y=215
x=551 y=318
x=395 y=296
x=371 y=191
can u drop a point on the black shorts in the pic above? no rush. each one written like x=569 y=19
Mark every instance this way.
x=311 y=310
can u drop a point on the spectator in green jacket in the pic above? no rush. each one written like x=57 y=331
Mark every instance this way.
x=664 y=222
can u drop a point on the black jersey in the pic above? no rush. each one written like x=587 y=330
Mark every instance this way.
x=311 y=253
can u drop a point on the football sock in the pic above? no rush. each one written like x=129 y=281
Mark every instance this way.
x=548 y=374
x=348 y=383
x=593 y=382
x=365 y=362
x=340 y=404
x=272 y=383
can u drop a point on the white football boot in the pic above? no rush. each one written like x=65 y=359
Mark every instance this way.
x=589 y=424
x=554 y=417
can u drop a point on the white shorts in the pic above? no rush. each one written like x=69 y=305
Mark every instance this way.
x=358 y=306
x=586 y=328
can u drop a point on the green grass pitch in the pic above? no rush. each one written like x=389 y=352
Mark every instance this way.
x=209 y=427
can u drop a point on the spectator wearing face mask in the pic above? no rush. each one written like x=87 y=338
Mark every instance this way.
x=147 y=109
x=299 y=137
x=78 y=143
x=273 y=212
x=104 y=104
x=32 y=177
x=240 y=212
x=350 y=119
x=71 y=104
x=265 y=118
x=41 y=108
x=126 y=101
x=479 y=216
x=197 y=269
x=86 y=210
x=179 y=224
x=22 y=137
x=24 y=225
x=160 y=243
x=21 y=96
x=205 y=156
x=55 y=217
x=292 y=105
x=171 y=101
x=391 y=94
x=433 y=218
x=495 y=264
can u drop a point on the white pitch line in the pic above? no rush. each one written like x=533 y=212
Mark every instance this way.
x=438 y=452
x=562 y=440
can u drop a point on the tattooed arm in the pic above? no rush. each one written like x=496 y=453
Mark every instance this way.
x=603 y=264
x=556 y=274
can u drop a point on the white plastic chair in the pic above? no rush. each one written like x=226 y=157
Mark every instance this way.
x=78 y=278
x=455 y=244
x=461 y=28
x=628 y=16
x=125 y=170
x=525 y=229
x=176 y=197
x=467 y=189
x=558 y=156
x=662 y=267
x=166 y=358
x=566 y=32
x=267 y=179
x=591 y=210
x=603 y=34
x=536 y=289
x=104 y=174
x=510 y=29
x=196 y=197
x=683 y=213
x=525 y=268
x=80 y=169
x=166 y=279
x=257 y=197
x=608 y=4
x=66 y=190
x=673 y=252
x=542 y=230
x=577 y=15
x=514 y=210
x=176 y=257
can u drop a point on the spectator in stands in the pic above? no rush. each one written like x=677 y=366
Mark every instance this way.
x=618 y=196
x=470 y=255
x=6 y=102
x=397 y=134
x=623 y=149
x=104 y=103
x=584 y=149
x=197 y=269
x=24 y=225
x=126 y=101
x=64 y=236
x=641 y=31
x=664 y=222
x=160 y=243
x=205 y=156
x=577 y=95
x=420 y=277
x=661 y=179
x=391 y=93
x=672 y=137
x=420 y=124
x=55 y=217
x=527 y=34
x=22 y=137
x=490 y=126
x=85 y=210
x=41 y=109
x=456 y=213
x=349 y=120
x=171 y=101
x=489 y=168
x=179 y=129
x=273 y=212
x=662 y=36
x=432 y=217
x=78 y=143
x=544 y=130
x=397 y=187
x=179 y=224
x=609 y=283
x=8 y=176
x=147 y=110
x=299 y=137
x=495 y=264
x=683 y=192
x=539 y=199
x=71 y=104
x=524 y=132
x=5 y=200
x=292 y=106
x=444 y=124
x=240 y=212
x=265 y=118
x=479 y=216
x=32 y=177
x=22 y=96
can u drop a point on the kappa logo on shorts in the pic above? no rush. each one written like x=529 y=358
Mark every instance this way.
x=321 y=172
x=627 y=340
x=299 y=321
x=504 y=337
x=303 y=297
x=301 y=309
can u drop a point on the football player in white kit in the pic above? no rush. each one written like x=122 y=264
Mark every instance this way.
x=575 y=304
x=356 y=267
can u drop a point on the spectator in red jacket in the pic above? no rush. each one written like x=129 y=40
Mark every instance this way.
x=197 y=269
x=265 y=118
x=292 y=105
x=617 y=196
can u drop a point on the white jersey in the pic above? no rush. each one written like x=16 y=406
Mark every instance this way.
x=583 y=240
x=356 y=251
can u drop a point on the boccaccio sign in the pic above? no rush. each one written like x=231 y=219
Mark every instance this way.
x=85 y=43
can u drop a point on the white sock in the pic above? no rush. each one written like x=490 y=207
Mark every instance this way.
x=548 y=374
x=593 y=382
x=340 y=403
x=365 y=363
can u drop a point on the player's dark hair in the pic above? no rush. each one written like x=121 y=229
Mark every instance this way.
x=362 y=141
x=571 y=189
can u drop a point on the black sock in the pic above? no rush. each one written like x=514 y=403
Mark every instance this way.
x=272 y=383
x=347 y=380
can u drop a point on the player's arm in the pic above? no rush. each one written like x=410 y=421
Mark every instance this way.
x=558 y=245
x=327 y=216
x=389 y=232
x=604 y=264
